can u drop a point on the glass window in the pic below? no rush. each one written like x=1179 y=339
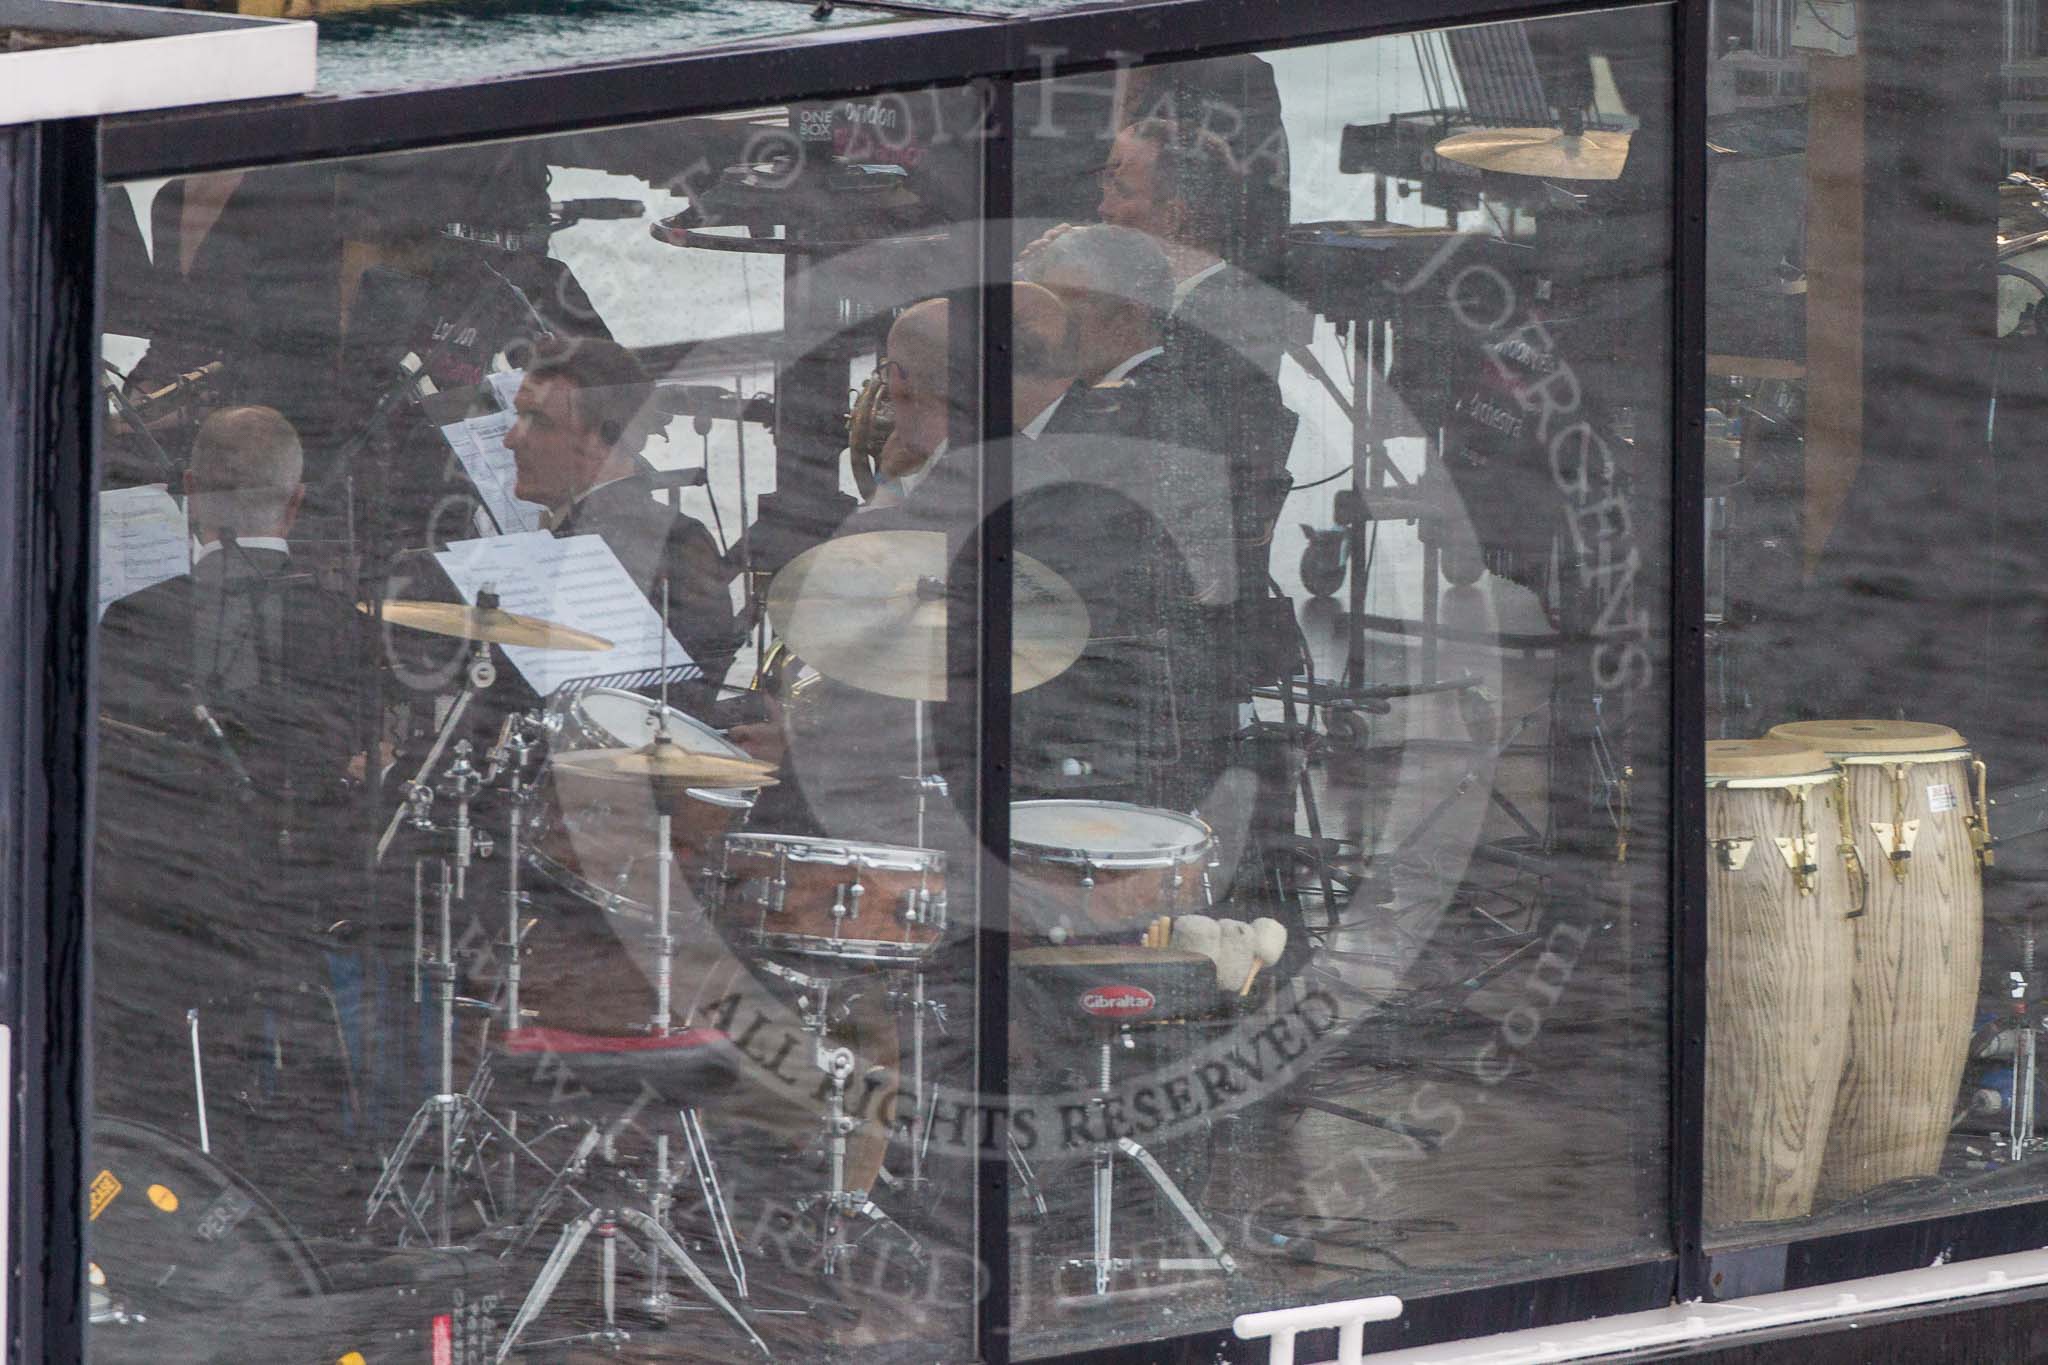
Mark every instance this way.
x=516 y=921
x=1339 y=893
x=1874 y=308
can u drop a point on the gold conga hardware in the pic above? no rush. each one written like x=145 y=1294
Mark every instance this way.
x=1852 y=861
x=1800 y=862
x=1901 y=836
x=1734 y=853
x=1798 y=853
x=1980 y=822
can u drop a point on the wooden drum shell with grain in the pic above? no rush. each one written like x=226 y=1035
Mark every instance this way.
x=1778 y=996
x=1918 y=950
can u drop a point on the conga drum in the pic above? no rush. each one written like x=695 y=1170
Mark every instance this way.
x=1779 y=953
x=1916 y=814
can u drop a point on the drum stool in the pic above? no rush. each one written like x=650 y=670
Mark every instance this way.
x=1103 y=994
x=615 y=1076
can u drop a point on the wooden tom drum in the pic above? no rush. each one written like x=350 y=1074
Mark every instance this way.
x=1779 y=957
x=827 y=898
x=1916 y=808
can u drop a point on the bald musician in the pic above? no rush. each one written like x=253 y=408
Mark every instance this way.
x=919 y=371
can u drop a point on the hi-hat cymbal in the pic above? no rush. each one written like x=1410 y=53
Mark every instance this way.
x=1550 y=153
x=487 y=624
x=869 y=610
x=663 y=761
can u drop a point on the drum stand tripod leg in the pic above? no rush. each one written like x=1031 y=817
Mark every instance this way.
x=1103 y=1262
x=558 y=1265
x=714 y=1199
x=1027 y=1179
x=1149 y=1164
x=666 y=1245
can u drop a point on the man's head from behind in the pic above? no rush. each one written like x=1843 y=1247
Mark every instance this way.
x=580 y=418
x=1117 y=287
x=245 y=475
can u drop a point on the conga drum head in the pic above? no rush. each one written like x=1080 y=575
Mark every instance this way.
x=1857 y=738
x=1736 y=760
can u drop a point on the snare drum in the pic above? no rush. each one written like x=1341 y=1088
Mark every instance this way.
x=1917 y=816
x=827 y=898
x=594 y=838
x=1100 y=867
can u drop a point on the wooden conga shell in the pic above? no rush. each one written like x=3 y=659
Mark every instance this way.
x=1918 y=947
x=1779 y=954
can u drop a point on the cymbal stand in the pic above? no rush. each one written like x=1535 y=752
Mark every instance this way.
x=838 y=1202
x=926 y=784
x=2020 y=1136
x=453 y=1110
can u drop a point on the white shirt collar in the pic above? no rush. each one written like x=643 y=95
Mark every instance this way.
x=1187 y=286
x=1123 y=370
x=905 y=485
x=277 y=543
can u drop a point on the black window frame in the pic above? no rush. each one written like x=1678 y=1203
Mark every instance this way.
x=48 y=474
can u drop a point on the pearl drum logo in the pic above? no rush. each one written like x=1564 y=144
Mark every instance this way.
x=1117 y=1002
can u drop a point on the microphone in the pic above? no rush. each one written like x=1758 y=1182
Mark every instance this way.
x=244 y=784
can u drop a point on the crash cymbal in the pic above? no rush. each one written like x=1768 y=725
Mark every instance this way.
x=488 y=624
x=663 y=761
x=869 y=610
x=1550 y=153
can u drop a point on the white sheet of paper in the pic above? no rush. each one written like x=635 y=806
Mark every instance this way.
x=504 y=384
x=480 y=444
x=576 y=581
x=143 y=541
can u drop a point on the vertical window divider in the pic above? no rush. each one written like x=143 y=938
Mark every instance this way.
x=981 y=345
x=1688 y=841
x=49 y=354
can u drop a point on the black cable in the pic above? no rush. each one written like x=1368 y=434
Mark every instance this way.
x=1331 y=478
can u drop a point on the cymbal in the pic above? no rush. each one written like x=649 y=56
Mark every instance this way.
x=663 y=761
x=1547 y=152
x=488 y=624
x=869 y=610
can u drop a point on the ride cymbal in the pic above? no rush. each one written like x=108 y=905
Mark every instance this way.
x=487 y=624
x=663 y=761
x=869 y=610
x=1549 y=153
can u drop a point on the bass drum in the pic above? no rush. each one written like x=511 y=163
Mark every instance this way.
x=186 y=1262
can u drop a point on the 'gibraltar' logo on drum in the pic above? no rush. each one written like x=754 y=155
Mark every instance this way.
x=1117 y=1002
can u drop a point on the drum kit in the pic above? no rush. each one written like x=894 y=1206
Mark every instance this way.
x=636 y=813
x=1845 y=910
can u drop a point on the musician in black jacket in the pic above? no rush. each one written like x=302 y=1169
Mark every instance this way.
x=583 y=415
x=222 y=824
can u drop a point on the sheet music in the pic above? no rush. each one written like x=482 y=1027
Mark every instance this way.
x=480 y=444
x=143 y=541
x=504 y=384
x=575 y=581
